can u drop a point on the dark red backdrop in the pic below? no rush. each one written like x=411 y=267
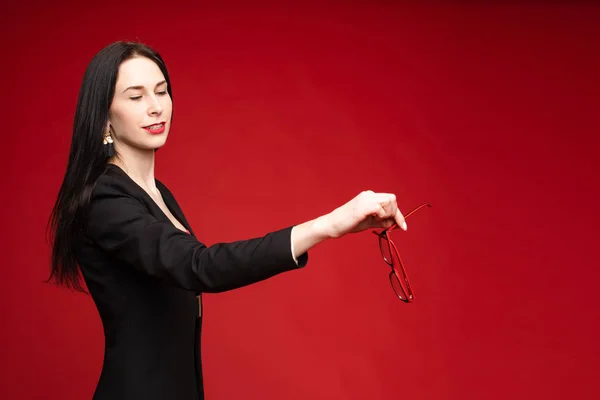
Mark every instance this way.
x=284 y=113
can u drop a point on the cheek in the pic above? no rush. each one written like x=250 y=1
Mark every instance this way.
x=117 y=114
x=168 y=105
x=124 y=118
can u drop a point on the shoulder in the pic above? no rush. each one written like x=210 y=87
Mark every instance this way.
x=114 y=193
x=114 y=182
x=115 y=202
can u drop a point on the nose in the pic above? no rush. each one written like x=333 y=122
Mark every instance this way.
x=155 y=108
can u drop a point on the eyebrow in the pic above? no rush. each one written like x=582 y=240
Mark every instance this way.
x=139 y=87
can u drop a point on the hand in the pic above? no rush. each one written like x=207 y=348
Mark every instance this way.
x=365 y=211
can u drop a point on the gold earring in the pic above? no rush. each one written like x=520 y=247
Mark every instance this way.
x=109 y=148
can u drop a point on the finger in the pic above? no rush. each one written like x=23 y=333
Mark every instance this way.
x=388 y=202
x=376 y=210
x=400 y=220
x=386 y=223
x=394 y=211
x=381 y=212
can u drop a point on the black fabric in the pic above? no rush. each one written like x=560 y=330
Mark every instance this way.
x=144 y=275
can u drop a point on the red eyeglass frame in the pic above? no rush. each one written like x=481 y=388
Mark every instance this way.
x=398 y=271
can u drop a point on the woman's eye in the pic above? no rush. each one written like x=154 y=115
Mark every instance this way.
x=139 y=97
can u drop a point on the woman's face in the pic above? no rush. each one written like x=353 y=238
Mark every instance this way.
x=140 y=113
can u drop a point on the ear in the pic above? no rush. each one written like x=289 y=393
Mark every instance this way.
x=107 y=127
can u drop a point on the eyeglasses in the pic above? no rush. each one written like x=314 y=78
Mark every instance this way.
x=398 y=277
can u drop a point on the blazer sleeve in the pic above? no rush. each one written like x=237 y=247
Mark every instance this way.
x=121 y=225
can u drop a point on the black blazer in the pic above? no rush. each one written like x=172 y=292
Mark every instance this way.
x=144 y=275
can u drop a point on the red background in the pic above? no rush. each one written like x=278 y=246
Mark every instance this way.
x=283 y=113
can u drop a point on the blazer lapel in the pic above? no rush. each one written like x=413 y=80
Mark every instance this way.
x=168 y=198
x=173 y=206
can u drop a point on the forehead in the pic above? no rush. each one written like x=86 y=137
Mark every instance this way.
x=138 y=71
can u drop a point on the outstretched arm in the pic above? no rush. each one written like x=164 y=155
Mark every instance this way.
x=365 y=211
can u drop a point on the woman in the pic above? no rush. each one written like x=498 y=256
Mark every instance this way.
x=138 y=255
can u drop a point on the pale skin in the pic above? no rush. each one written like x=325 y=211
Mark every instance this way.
x=141 y=99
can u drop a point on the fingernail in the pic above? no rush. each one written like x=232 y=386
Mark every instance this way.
x=404 y=226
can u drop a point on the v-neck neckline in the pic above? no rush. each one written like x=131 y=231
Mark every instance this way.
x=176 y=215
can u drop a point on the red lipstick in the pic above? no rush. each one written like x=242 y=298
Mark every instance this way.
x=155 y=129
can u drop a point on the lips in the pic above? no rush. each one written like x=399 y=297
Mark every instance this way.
x=156 y=128
x=155 y=125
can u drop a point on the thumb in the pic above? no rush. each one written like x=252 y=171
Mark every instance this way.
x=380 y=213
x=400 y=220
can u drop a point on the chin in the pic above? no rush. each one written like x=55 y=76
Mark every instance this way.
x=158 y=141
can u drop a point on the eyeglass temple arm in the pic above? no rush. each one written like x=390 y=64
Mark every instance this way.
x=417 y=208
x=406 y=216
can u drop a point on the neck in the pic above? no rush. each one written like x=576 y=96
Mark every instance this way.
x=139 y=165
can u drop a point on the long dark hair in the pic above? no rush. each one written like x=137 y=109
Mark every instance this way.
x=86 y=157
